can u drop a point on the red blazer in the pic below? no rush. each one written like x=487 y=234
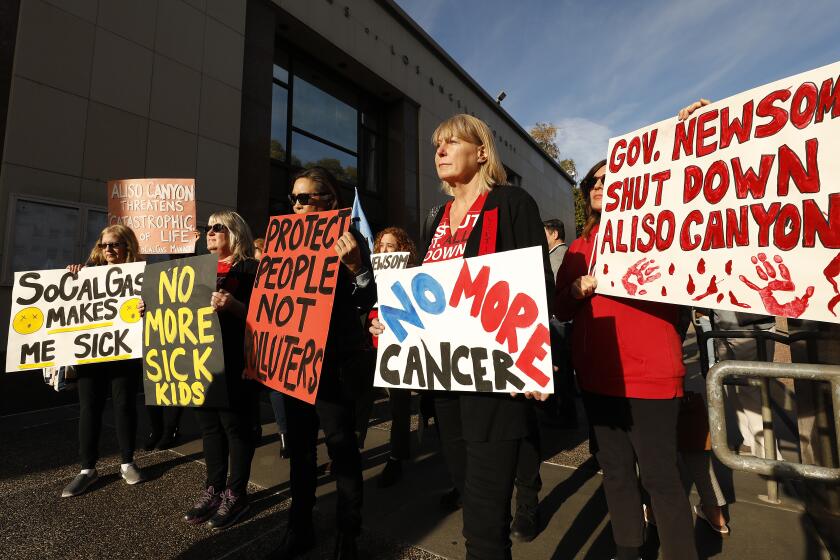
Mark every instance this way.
x=620 y=347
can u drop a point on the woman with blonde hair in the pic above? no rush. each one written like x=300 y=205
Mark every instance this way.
x=481 y=433
x=116 y=245
x=229 y=434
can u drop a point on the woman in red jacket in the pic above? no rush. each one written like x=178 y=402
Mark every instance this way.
x=628 y=358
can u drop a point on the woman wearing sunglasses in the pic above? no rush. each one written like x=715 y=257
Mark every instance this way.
x=229 y=434
x=481 y=433
x=628 y=358
x=315 y=190
x=117 y=244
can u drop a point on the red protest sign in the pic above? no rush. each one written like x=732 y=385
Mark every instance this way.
x=291 y=305
x=160 y=211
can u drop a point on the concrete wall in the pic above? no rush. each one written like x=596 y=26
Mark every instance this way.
x=368 y=32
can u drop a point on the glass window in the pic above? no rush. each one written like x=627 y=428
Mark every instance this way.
x=45 y=236
x=279 y=106
x=281 y=74
x=96 y=222
x=371 y=159
x=307 y=152
x=321 y=114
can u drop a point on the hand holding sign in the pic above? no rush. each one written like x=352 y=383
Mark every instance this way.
x=584 y=287
x=348 y=252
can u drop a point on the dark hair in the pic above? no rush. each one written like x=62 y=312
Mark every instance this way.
x=557 y=227
x=324 y=179
x=404 y=243
x=592 y=217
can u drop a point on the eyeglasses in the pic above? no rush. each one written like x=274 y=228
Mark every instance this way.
x=216 y=228
x=305 y=199
x=594 y=181
x=117 y=245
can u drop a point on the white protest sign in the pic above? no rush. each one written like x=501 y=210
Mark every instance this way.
x=388 y=261
x=59 y=319
x=478 y=324
x=736 y=208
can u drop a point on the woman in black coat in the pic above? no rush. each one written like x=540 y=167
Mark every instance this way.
x=481 y=433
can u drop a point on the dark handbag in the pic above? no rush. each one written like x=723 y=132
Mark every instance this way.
x=693 y=424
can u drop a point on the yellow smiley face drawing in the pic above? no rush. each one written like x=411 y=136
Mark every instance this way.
x=28 y=320
x=129 y=311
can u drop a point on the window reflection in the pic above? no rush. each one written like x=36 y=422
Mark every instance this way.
x=281 y=74
x=279 y=105
x=323 y=115
x=307 y=152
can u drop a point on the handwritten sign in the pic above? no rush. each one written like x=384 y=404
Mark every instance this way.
x=291 y=305
x=736 y=208
x=59 y=319
x=388 y=261
x=183 y=359
x=160 y=211
x=477 y=324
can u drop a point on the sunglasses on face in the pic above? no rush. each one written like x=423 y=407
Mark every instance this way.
x=595 y=181
x=215 y=228
x=117 y=245
x=305 y=199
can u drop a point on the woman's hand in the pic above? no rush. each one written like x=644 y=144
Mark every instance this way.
x=685 y=112
x=222 y=300
x=536 y=395
x=75 y=268
x=348 y=252
x=141 y=307
x=376 y=327
x=584 y=287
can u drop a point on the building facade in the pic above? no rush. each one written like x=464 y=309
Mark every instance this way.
x=239 y=94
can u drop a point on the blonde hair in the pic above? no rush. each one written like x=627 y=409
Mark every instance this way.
x=126 y=235
x=239 y=234
x=475 y=131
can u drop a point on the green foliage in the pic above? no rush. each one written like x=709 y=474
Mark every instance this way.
x=580 y=210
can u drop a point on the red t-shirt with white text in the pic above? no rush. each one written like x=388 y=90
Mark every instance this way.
x=445 y=245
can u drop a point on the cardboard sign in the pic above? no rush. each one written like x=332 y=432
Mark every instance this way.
x=291 y=305
x=183 y=360
x=388 y=261
x=736 y=208
x=478 y=324
x=58 y=319
x=160 y=211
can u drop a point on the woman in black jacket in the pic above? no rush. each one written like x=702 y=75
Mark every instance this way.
x=481 y=433
x=229 y=434
x=314 y=190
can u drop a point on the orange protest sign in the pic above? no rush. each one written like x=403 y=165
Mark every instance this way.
x=291 y=305
x=160 y=211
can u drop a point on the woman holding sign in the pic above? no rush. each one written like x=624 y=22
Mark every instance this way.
x=482 y=433
x=315 y=190
x=229 y=434
x=117 y=244
x=628 y=358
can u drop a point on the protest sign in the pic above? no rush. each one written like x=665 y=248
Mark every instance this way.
x=736 y=208
x=291 y=305
x=183 y=360
x=388 y=261
x=160 y=211
x=477 y=324
x=59 y=319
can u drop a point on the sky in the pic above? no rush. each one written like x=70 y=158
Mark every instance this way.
x=602 y=68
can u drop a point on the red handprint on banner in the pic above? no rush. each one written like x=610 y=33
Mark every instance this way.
x=644 y=271
x=766 y=271
x=831 y=272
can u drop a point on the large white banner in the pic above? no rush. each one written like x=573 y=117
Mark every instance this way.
x=60 y=319
x=478 y=324
x=736 y=208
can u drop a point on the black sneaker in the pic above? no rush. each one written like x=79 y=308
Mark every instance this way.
x=451 y=501
x=232 y=508
x=151 y=441
x=168 y=440
x=295 y=543
x=525 y=525
x=391 y=474
x=205 y=507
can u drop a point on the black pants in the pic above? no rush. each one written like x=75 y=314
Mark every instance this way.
x=231 y=435
x=400 y=423
x=528 y=481
x=484 y=473
x=644 y=431
x=561 y=405
x=336 y=417
x=123 y=379
x=163 y=419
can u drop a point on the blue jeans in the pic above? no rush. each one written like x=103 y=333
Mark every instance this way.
x=276 y=398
